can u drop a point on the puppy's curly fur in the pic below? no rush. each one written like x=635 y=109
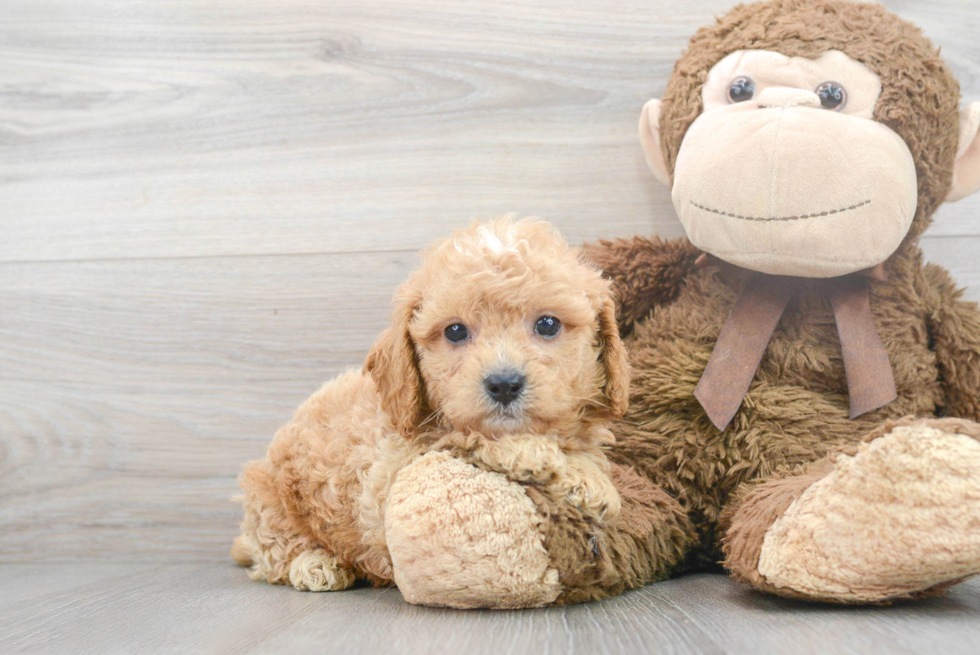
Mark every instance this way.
x=314 y=507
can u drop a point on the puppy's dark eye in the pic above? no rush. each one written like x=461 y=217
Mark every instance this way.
x=456 y=332
x=741 y=89
x=547 y=326
x=832 y=95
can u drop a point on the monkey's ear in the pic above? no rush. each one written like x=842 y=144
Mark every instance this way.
x=966 y=169
x=614 y=360
x=392 y=364
x=650 y=138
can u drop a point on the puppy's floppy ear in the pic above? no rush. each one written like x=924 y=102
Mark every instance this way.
x=393 y=364
x=614 y=359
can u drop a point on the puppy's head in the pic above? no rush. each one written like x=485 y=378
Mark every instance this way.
x=502 y=330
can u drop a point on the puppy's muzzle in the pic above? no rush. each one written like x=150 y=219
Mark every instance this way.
x=505 y=386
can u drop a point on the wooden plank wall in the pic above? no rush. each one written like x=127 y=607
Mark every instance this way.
x=205 y=207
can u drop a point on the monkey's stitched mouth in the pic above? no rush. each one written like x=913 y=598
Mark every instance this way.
x=801 y=217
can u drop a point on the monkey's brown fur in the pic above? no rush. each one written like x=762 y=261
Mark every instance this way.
x=796 y=411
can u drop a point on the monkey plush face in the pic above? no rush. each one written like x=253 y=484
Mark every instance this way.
x=786 y=172
x=798 y=140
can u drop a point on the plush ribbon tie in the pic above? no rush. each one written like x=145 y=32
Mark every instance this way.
x=748 y=329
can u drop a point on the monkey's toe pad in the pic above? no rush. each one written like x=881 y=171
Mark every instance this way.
x=463 y=537
x=899 y=517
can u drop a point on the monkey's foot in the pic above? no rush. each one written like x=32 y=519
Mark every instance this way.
x=898 y=518
x=463 y=537
x=315 y=570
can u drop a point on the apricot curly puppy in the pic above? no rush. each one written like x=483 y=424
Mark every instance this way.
x=503 y=350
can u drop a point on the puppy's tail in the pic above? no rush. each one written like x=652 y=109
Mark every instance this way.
x=240 y=551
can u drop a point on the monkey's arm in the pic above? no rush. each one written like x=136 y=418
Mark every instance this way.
x=461 y=536
x=645 y=273
x=954 y=326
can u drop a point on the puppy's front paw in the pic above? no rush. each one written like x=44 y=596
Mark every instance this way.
x=600 y=498
x=590 y=487
x=315 y=570
x=531 y=458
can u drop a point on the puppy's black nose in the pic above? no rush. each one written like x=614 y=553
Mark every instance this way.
x=504 y=387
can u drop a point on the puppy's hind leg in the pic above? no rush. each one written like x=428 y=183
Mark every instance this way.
x=279 y=556
x=316 y=570
x=241 y=552
x=271 y=547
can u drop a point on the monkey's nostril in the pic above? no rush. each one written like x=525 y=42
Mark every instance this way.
x=504 y=387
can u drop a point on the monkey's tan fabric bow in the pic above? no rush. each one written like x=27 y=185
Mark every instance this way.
x=753 y=319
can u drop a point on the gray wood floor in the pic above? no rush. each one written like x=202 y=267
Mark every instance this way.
x=215 y=608
x=204 y=209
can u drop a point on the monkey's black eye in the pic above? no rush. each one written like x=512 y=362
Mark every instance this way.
x=548 y=327
x=741 y=89
x=456 y=332
x=832 y=95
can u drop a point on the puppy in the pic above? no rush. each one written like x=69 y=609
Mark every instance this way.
x=503 y=349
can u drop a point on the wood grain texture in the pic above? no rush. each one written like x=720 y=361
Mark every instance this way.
x=106 y=608
x=188 y=128
x=205 y=207
x=132 y=390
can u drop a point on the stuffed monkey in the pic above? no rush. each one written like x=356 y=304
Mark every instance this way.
x=806 y=389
